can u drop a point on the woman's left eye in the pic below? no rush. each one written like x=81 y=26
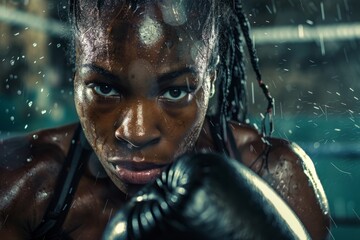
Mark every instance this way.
x=175 y=94
x=105 y=90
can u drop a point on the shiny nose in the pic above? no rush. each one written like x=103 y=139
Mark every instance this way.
x=138 y=127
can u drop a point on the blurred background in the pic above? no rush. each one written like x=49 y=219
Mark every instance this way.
x=309 y=54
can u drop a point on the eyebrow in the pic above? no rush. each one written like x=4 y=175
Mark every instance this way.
x=175 y=74
x=100 y=71
x=165 y=77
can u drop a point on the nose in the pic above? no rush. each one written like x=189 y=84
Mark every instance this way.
x=138 y=127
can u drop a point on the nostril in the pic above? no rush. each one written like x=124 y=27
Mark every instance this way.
x=135 y=133
x=138 y=142
x=129 y=144
x=154 y=141
x=132 y=145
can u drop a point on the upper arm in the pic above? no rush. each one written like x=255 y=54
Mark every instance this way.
x=12 y=218
x=10 y=229
x=292 y=174
x=27 y=171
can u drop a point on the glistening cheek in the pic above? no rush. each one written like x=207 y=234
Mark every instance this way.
x=187 y=127
x=83 y=101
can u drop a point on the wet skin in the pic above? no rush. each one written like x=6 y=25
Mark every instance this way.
x=141 y=102
x=27 y=187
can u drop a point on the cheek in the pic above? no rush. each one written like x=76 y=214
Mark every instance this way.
x=190 y=123
x=87 y=115
x=80 y=99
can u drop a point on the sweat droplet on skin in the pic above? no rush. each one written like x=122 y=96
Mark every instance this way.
x=150 y=31
x=173 y=12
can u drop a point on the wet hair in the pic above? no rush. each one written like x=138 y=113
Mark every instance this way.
x=232 y=102
x=233 y=33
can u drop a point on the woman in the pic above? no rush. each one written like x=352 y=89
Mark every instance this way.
x=145 y=74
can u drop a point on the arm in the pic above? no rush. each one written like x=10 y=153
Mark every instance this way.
x=27 y=171
x=291 y=173
x=9 y=228
x=312 y=205
x=11 y=184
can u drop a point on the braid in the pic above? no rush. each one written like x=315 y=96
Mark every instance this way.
x=238 y=106
x=232 y=97
x=231 y=104
x=245 y=27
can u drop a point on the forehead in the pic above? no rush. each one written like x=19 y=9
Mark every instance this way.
x=188 y=15
x=151 y=26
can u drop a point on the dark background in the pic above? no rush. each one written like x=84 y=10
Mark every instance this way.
x=315 y=84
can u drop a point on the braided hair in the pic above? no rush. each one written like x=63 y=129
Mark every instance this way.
x=232 y=99
x=233 y=29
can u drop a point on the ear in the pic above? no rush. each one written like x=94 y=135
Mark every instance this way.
x=213 y=76
x=213 y=71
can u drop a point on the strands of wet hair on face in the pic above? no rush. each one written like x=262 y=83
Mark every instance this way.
x=79 y=12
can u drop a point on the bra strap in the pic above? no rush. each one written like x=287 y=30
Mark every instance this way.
x=67 y=183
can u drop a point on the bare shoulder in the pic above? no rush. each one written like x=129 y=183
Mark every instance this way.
x=288 y=170
x=29 y=165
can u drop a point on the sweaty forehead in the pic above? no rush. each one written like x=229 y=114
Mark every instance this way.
x=118 y=29
x=187 y=14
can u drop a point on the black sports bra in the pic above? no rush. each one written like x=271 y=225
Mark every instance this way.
x=51 y=226
x=68 y=179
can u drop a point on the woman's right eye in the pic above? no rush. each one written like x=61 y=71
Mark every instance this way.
x=104 y=90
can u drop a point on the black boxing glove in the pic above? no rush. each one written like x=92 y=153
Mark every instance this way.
x=206 y=196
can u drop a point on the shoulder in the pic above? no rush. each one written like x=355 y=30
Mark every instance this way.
x=27 y=151
x=29 y=165
x=289 y=171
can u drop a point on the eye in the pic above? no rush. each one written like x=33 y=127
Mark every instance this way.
x=104 y=90
x=175 y=94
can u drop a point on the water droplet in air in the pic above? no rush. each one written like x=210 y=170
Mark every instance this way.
x=34 y=44
x=35 y=136
x=43 y=112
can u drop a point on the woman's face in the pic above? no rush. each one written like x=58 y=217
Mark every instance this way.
x=141 y=90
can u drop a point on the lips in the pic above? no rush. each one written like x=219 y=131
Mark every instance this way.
x=133 y=172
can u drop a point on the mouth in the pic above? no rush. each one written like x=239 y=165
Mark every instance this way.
x=139 y=173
